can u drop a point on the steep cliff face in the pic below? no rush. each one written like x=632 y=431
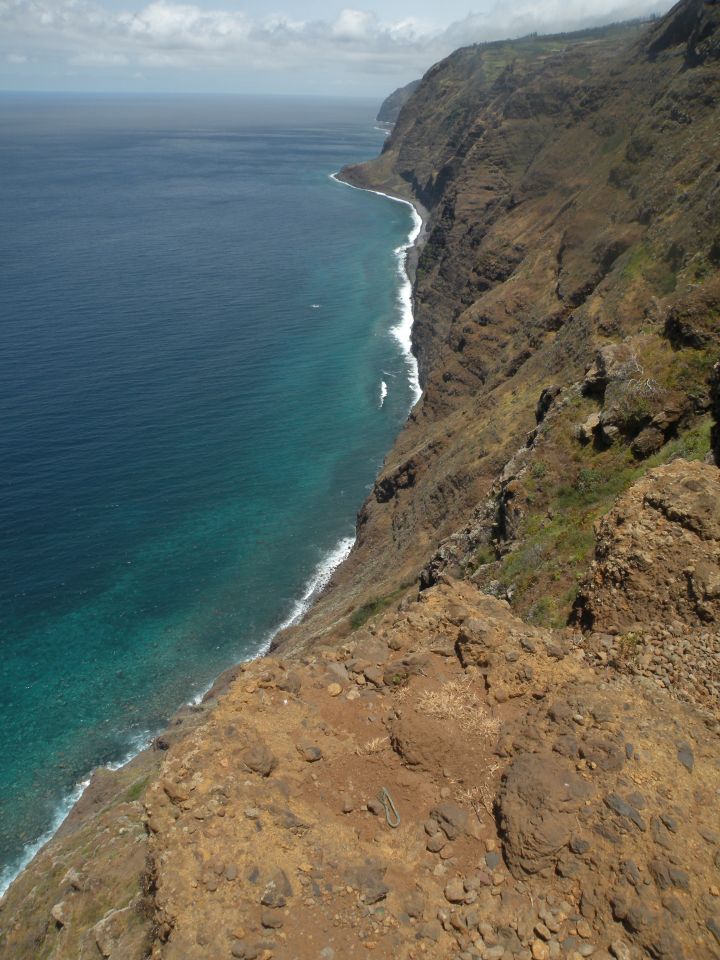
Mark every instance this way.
x=392 y=105
x=556 y=784
x=566 y=303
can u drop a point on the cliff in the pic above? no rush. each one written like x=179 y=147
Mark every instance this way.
x=520 y=656
x=566 y=305
x=392 y=105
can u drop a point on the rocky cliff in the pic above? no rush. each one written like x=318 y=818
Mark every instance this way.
x=391 y=106
x=495 y=735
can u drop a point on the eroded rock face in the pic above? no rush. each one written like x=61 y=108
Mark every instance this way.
x=667 y=525
x=652 y=598
x=542 y=807
x=715 y=400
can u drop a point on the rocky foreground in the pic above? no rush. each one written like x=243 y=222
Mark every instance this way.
x=496 y=734
x=449 y=782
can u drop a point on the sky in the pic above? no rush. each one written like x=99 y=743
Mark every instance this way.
x=246 y=47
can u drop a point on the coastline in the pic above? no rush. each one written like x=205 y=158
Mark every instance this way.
x=496 y=727
x=407 y=262
x=81 y=802
x=145 y=743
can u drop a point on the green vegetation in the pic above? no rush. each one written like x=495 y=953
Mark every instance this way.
x=628 y=646
x=482 y=556
x=611 y=143
x=398 y=680
x=556 y=539
x=641 y=263
x=373 y=607
x=136 y=790
x=692 y=445
x=699 y=269
x=689 y=371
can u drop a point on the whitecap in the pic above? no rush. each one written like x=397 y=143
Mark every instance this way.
x=141 y=741
x=383 y=392
x=402 y=331
x=138 y=743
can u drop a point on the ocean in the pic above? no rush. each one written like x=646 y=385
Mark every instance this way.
x=203 y=360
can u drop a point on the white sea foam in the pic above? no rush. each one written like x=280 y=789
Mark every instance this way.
x=383 y=392
x=138 y=743
x=402 y=331
x=316 y=584
x=201 y=694
x=12 y=870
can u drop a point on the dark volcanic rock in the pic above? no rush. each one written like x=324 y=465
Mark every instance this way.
x=277 y=890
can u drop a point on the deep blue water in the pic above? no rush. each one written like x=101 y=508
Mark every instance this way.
x=194 y=325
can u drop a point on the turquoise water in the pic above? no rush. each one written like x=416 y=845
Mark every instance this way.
x=195 y=324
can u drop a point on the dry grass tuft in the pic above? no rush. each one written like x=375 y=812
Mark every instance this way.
x=481 y=795
x=376 y=745
x=457 y=702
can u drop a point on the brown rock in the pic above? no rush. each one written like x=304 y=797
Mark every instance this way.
x=59 y=914
x=291 y=682
x=244 y=950
x=277 y=890
x=374 y=675
x=453 y=820
x=540 y=950
x=271 y=919
x=539 y=800
x=435 y=843
x=455 y=890
x=310 y=752
x=259 y=759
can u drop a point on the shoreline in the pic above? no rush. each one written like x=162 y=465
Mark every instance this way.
x=402 y=331
x=315 y=584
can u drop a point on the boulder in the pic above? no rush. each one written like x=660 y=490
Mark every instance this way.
x=539 y=800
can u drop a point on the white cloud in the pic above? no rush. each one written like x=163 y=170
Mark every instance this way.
x=354 y=25
x=182 y=26
x=164 y=34
x=547 y=16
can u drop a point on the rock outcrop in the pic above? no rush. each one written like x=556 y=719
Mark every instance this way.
x=474 y=788
x=558 y=238
x=651 y=600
